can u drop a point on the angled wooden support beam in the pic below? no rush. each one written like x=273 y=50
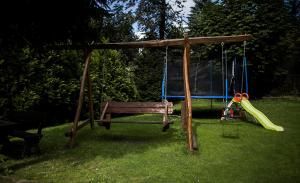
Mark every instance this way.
x=187 y=92
x=80 y=100
x=83 y=124
x=103 y=112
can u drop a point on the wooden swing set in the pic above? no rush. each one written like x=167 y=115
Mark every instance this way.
x=163 y=107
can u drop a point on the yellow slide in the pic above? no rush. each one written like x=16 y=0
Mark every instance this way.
x=263 y=120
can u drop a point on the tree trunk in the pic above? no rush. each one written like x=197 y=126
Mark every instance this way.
x=162 y=21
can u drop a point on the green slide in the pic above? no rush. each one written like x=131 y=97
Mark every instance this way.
x=264 y=121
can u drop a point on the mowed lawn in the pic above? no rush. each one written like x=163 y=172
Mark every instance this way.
x=143 y=153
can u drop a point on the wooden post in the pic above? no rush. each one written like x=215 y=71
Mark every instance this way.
x=90 y=96
x=187 y=92
x=80 y=100
x=183 y=116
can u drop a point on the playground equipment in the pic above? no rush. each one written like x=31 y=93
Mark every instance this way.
x=165 y=108
x=210 y=75
x=109 y=108
x=241 y=102
x=187 y=103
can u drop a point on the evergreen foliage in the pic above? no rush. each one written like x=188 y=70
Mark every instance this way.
x=36 y=79
x=158 y=18
x=43 y=81
x=275 y=48
x=36 y=23
x=112 y=79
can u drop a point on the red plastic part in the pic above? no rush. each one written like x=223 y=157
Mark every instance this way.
x=237 y=97
x=231 y=112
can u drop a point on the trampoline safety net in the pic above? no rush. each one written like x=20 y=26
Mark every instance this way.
x=206 y=80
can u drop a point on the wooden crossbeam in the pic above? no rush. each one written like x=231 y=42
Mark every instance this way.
x=137 y=110
x=157 y=43
x=133 y=122
x=138 y=104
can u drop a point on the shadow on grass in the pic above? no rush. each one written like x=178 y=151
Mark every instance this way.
x=128 y=139
x=118 y=138
x=207 y=113
x=203 y=113
x=99 y=143
x=31 y=161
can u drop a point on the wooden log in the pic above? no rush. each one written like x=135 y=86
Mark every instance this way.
x=133 y=122
x=83 y=124
x=138 y=107
x=219 y=39
x=157 y=43
x=137 y=110
x=183 y=116
x=80 y=125
x=80 y=100
x=103 y=112
x=138 y=104
x=186 y=60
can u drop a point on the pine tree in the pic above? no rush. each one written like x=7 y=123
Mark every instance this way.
x=267 y=21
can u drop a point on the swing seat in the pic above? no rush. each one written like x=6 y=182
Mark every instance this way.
x=109 y=108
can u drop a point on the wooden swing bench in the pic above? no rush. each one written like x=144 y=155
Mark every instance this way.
x=109 y=108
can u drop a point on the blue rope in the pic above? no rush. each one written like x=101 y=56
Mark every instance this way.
x=163 y=95
x=163 y=89
x=163 y=84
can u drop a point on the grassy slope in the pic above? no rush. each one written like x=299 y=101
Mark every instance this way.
x=142 y=153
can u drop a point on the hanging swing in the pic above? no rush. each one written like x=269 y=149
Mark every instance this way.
x=108 y=108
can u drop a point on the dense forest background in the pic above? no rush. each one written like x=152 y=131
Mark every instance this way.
x=36 y=78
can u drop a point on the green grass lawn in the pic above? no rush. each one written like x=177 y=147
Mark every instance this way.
x=143 y=153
